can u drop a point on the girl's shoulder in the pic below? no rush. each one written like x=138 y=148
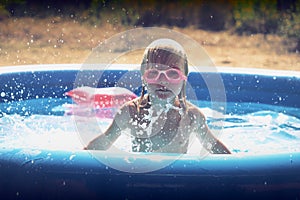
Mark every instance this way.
x=137 y=103
x=194 y=112
x=134 y=106
x=126 y=113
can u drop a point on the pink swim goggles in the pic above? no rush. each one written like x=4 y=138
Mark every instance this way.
x=173 y=75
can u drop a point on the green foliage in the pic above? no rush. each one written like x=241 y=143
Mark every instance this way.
x=6 y=5
x=9 y=2
x=256 y=16
x=212 y=15
x=290 y=23
x=215 y=15
x=113 y=12
x=245 y=16
x=3 y=12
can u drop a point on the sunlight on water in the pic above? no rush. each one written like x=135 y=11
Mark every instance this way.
x=259 y=132
x=39 y=131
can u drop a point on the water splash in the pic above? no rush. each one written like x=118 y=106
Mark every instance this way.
x=263 y=130
x=260 y=132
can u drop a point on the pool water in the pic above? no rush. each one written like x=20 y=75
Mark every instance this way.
x=246 y=128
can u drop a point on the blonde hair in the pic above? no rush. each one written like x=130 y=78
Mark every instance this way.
x=165 y=51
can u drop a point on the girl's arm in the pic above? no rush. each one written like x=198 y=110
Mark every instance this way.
x=210 y=142
x=105 y=140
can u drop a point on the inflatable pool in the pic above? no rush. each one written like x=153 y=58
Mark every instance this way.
x=30 y=171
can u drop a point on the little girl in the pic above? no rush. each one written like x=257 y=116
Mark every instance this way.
x=161 y=120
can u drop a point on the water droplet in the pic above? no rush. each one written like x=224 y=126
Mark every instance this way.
x=72 y=157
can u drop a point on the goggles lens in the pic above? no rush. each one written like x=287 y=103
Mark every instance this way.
x=173 y=75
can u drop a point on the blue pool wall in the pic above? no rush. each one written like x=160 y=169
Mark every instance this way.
x=53 y=175
x=48 y=174
x=274 y=89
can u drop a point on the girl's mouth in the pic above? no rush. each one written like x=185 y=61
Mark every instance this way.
x=163 y=93
x=163 y=89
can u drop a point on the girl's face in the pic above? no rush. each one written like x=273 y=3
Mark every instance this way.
x=164 y=82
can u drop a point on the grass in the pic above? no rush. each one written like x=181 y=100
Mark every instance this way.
x=54 y=40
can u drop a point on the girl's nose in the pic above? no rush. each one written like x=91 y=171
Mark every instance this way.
x=162 y=78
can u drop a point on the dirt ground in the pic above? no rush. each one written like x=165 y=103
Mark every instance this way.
x=55 y=40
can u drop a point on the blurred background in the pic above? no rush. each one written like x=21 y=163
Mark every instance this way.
x=245 y=33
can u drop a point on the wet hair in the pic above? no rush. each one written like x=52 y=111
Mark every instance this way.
x=165 y=51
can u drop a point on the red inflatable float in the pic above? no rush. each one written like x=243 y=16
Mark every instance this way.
x=101 y=102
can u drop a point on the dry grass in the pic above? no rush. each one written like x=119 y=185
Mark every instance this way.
x=55 y=40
